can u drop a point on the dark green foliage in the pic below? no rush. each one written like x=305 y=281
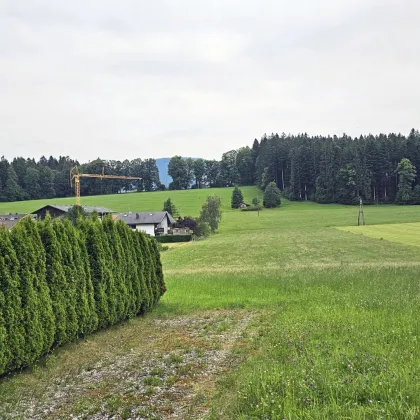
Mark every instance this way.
x=142 y=286
x=31 y=307
x=336 y=169
x=12 y=310
x=98 y=270
x=59 y=282
x=180 y=171
x=69 y=285
x=406 y=176
x=118 y=266
x=56 y=279
x=173 y=238
x=169 y=206
x=4 y=350
x=237 y=198
x=256 y=201
x=158 y=268
x=143 y=259
x=41 y=285
x=76 y=264
x=187 y=222
x=75 y=214
x=271 y=196
x=211 y=213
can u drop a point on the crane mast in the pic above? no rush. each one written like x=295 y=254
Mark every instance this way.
x=75 y=176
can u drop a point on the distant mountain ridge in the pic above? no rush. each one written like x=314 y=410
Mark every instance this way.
x=162 y=165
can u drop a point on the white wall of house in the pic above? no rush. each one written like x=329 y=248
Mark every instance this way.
x=164 y=225
x=149 y=229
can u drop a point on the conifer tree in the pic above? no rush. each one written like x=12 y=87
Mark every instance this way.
x=4 y=345
x=92 y=320
x=97 y=268
x=56 y=279
x=406 y=175
x=129 y=273
x=143 y=258
x=108 y=274
x=31 y=318
x=84 y=311
x=237 y=198
x=70 y=279
x=159 y=270
x=154 y=280
x=119 y=268
x=169 y=206
x=271 y=196
x=12 y=310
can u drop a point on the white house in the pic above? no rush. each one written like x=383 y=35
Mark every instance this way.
x=156 y=223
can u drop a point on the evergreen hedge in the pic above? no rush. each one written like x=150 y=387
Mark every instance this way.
x=163 y=239
x=60 y=281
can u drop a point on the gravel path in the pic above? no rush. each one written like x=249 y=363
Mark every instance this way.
x=172 y=375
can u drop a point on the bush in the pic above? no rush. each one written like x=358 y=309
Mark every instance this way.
x=187 y=222
x=211 y=213
x=163 y=239
x=271 y=196
x=59 y=282
x=203 y=229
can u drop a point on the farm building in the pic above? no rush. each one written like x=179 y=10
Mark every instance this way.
x=153 y=224
x=9 y=220
x=59 y=210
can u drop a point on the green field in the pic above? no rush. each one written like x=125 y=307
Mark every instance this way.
x=188 y=202
x=404 y=233
x=318 y=322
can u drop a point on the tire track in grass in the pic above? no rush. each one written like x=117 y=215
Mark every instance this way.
x=291 y=267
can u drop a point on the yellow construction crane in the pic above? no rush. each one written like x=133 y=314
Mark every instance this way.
x=75 y=176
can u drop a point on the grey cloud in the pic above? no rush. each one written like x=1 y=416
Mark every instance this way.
x=91 y=77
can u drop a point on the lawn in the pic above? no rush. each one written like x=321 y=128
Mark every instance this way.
x=309 y=321
x=404 y=233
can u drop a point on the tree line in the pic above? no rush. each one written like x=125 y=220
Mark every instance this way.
x=341 y=169
x=59 y=282
x=326 y=169
x=27 y=179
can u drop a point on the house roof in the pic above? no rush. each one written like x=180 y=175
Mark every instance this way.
x=65 y=208
x=9 y=220
x=147 y=218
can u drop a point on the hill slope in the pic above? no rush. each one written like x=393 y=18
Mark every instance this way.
x=188 y=202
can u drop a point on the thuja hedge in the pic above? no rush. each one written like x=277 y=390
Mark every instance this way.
x=164 y=239
x=59 y=282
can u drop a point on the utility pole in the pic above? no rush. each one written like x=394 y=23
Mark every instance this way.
x=361 y=217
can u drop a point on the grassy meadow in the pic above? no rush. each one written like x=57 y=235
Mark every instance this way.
x=335 y=328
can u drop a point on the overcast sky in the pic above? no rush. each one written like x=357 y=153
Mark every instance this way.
x=133 y=78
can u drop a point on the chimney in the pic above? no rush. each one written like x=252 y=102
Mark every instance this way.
x=137 y=216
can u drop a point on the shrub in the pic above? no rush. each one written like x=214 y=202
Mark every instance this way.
x=187 y=222
x=173 y=238
x=237 y=198
x=203 y=229
x=211 y=213
x=271 y=196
